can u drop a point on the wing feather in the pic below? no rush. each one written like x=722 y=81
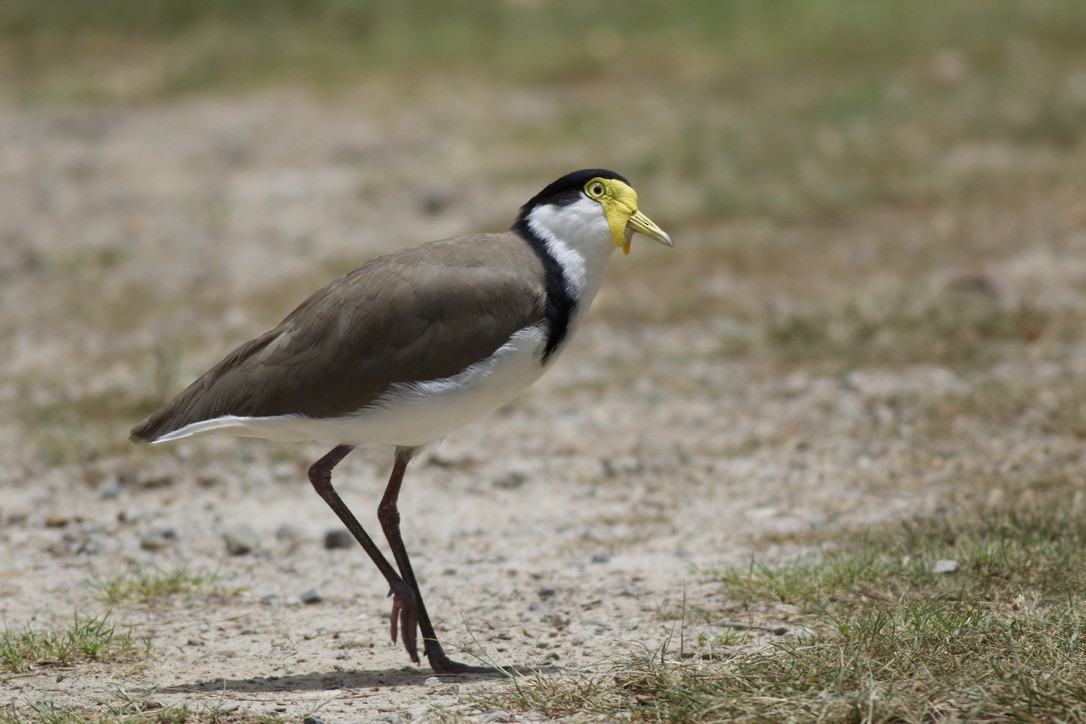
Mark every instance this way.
x=420 y=314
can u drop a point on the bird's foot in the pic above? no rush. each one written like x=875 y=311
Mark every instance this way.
x=405 y=618
x=442 y=664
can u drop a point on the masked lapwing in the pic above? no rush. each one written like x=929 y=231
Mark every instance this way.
x=412 y=346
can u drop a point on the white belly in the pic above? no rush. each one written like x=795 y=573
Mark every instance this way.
x=407 y=414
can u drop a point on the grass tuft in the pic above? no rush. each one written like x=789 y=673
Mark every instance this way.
x=87 y=639
x=151 y=585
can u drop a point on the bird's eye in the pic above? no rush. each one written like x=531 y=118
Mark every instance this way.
x=595 y=189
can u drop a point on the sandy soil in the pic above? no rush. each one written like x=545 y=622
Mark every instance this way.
x=140 y=244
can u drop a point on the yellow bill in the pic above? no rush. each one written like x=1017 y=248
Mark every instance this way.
x=644 y=225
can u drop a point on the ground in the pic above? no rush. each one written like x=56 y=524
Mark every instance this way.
x=808 y=360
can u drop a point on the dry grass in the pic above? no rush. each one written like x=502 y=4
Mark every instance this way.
x=877 y=634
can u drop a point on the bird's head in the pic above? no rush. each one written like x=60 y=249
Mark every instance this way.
x=591 y=198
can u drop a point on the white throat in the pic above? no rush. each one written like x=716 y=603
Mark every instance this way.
x=579 y=239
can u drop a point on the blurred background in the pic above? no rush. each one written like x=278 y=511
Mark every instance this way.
x=851 y=185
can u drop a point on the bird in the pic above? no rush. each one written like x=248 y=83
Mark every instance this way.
x=412 y=346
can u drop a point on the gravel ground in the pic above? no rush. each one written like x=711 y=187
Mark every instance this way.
x=140 y=244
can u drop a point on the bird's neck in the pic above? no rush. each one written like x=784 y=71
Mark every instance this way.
x=580 y=242
x=574 y=255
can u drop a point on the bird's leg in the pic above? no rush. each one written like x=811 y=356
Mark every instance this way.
x=404 y=606
x=389 y=515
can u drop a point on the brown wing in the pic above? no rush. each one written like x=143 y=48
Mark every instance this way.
x=420 y=314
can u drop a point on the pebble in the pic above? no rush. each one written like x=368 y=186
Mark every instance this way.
x=545 y=592
x=496 y=717
x=80 y=542
x=510 y=480
x=158 y=539
x=60 y=521
x=109 y=491
x=241 y=539
x=944 y=566
x=311 y=719
x=338 y=538
x=600 y=558
x=311 y=596
x=208 y=481
x=158 y=481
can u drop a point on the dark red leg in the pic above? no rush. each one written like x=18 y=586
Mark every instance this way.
x=389 y=515
x=404 y=603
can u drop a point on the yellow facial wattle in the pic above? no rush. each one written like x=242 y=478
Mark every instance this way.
x=619 y=203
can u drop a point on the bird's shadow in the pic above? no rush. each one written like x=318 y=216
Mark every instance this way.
x=336 y=680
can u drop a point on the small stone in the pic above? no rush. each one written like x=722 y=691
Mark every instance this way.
x=110 y=491
x=311 y=596
x=58 y=521
x=241 y=539
x=510 y=480
x=285 y=532
x=338 y=538
x=311 y=719
x=944 y=566
x=157 y=540
x=208 y=481
x=159 y=481
x=545 y=592
x=432 y=681
x=497 y=717
x=600 y=558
